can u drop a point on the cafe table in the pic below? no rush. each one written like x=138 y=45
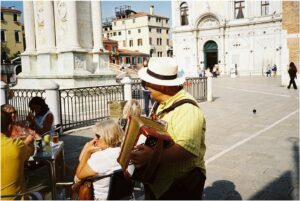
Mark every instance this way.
x=49 y=154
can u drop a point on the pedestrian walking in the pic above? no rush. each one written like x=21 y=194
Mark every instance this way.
x=293 y=74
x=274 y=69
x=268 y=71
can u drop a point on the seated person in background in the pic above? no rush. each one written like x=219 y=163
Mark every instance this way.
x=99 y=156
x=16 y=129
x=132 y=107
x=41 y=119
x=14 y=153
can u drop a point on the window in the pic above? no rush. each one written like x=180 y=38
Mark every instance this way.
x=139 y=60
x=2 y=16
x=133 y=61
x=129 y=32
x=239 y=7
x=15 y=17
x=130 y=43
x=150 y=41
x=149 y=18
x=184 y=14
x=140 y=42
x=149 y=29
x=158 y=30
x=119 y=33
x=167 y=31
x=265 y=7
x=158 y=20
x=158 y=41
x=124 y=43
x=167 y=21
x=139 y=30
x=167 y=41
x=133 y=20
x=159 y=54
x=115 y=33
x=3 y=39
x=128 y=60
x=17 y=38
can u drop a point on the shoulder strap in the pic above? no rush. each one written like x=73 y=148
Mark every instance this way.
x=177 y=104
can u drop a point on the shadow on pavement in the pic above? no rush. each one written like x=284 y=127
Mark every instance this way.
x=221 y=190
x=286 y=187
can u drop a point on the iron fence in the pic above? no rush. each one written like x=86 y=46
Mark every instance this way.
x=84 y=106
x=19 y=98
x=197 y=87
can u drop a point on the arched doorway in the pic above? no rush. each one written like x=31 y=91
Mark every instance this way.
x=210 y=54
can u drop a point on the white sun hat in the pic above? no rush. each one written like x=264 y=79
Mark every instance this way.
x=162 y=71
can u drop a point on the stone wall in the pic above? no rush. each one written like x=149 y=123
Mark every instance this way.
x=291 y=23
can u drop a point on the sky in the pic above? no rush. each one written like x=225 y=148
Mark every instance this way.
x=162 y=8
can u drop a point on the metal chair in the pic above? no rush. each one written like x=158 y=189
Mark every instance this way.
x=29 y=193
x=120 y=188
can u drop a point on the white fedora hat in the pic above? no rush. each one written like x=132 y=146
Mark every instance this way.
x=162 y=71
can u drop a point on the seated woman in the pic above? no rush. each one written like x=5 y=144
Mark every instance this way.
x=14 y=153
x=99 y=156
x=17 y=130
x=41 y=119
x=132 y=107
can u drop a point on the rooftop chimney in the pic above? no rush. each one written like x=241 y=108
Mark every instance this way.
x=152 y=10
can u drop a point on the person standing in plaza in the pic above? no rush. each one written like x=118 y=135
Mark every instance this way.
x=181 y=171
x=293 y=74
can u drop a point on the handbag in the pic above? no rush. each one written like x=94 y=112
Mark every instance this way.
x=82 y=190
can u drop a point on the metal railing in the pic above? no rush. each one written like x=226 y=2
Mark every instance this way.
x=197 y=87
x=80 y=107
x=84 y=106
x=20 y=98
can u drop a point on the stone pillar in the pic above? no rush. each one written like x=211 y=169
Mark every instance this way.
x=49 y=26
x=29 y=26
x=209 y=88
x=53 y=101
x=72 y=25
x=97 y=26
x=3 y=93
x=127 y=88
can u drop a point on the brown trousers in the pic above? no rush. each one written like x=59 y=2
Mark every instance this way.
x=188 y=187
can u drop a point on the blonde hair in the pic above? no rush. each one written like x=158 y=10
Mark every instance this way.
x=110 y=132
x=132 y=107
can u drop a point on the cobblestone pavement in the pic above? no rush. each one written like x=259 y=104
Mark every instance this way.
x=250 y=156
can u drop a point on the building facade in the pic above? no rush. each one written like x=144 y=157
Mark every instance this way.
x=12 y=42
x=144 y=32
x=134 y=59
x=291 y=23
x=247 y=36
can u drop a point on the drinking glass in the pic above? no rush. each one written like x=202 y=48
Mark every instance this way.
x=55 y=138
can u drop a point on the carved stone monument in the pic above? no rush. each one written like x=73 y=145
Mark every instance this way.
x=64 y=44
